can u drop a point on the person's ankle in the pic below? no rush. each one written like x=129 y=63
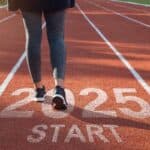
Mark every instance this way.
x=59 y=86
x=59 y=83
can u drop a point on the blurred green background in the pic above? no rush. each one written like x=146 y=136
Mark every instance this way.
x=138 y=1
x=3 y=2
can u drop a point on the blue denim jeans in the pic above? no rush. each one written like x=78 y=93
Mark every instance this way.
x=55 y=33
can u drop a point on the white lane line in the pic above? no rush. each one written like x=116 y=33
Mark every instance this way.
x=7 y=18
x=11 y=74
x=132 y=3
x=118 y=54
x=9 y=77
x=121 y=15
x=127 y=7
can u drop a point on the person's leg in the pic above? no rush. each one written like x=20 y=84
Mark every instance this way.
x=33 y=29
x=55 y=32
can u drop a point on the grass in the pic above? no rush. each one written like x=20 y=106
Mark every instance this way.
x=3 y=2
x=138 y=1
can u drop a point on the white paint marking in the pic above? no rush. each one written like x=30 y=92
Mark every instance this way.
x=90 y=109
x=44 y=24
x=11 y=112
x=92 y=130
x=114 y=132
x=75 y=132
x=121 y=15
x=39 y=133
x=7 y=18
x=11 y=74
x=56 y=132
x=118 y=54
x=144 y=111
x=132 y=3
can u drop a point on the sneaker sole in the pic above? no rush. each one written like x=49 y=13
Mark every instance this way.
x=58 y=103
x=42 y=99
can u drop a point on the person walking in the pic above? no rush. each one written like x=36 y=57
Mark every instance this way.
x=54 y=13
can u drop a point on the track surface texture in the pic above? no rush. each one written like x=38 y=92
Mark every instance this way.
x=107 y=82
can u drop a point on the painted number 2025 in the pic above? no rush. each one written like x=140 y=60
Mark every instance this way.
x=122 y=96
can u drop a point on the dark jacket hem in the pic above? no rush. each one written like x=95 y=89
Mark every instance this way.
x=38 y=5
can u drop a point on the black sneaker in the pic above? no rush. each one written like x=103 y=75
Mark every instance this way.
x=59 y=99
x=40 y=93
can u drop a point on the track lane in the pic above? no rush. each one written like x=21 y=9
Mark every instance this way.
x=120 y=38
x=7 y=18
x=90 y=64
x=4 y=13
x=129 y=14
x=15 y=68
x=12 y=44
x=22 y=132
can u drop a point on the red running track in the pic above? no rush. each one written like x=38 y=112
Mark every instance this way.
x=109 y=107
